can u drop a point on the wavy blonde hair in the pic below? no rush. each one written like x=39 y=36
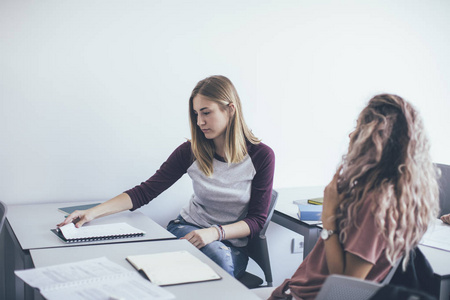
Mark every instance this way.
x=222 y=91
x=388 y=157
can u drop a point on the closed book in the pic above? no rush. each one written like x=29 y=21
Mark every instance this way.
x=309 y=212
x=317 y=201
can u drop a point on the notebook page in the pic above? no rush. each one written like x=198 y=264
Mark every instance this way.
x=91 y=279
x=129 y=286
x=46 y=277
x=115 y=229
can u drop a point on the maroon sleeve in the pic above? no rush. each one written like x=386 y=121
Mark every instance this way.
x=169 y=172
x=263 y=159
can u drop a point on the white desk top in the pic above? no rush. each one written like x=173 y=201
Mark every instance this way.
x=225 y=288
x=32 y=223
x=286 y=196
x=439 y=260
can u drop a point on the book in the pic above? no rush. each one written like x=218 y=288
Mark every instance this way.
x=70 y=234
x=309 y=212
x=316 y=201
x=98 y=278
x=169 y=268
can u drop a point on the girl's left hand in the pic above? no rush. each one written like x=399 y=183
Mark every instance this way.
x=330 y=203
x=202 y=237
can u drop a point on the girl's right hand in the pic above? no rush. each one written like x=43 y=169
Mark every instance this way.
x=79 y=217
x=446 y=218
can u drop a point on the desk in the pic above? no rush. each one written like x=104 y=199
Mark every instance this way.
x=226 y=288
x=440 y=262
x=285 y=213
x=28 y=227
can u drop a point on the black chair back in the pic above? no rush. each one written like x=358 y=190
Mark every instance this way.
x=258 y=250
x=2 y=214
x=444 y=189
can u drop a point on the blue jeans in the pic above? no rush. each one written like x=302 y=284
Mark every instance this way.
x=232 y=259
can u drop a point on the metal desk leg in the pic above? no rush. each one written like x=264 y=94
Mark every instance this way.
x=3 y=264
x=16 y=259
x=310 y=233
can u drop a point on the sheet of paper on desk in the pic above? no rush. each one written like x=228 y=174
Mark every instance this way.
x=437 y=236
x=96 y=279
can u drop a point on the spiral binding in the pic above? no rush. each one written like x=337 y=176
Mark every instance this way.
x=102 y=238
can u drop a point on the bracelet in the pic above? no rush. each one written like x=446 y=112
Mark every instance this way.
x=220 y=231
x=223 y=231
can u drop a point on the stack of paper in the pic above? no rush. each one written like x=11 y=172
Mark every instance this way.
x=94 y=279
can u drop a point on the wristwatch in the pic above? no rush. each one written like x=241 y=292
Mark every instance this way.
x=325 y=234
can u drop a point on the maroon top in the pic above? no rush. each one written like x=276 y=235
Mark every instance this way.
x=364 y=241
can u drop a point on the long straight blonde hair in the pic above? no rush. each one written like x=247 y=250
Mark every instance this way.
x=222 y=91
x=389 y=158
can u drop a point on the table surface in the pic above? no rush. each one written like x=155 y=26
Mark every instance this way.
x=439 y=260
x=32 y=224
x=226 y=288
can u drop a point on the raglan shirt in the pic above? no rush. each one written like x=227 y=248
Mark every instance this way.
x=234 y=192
x=363 y=240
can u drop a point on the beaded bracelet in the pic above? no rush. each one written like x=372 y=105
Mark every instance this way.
x=221 y=231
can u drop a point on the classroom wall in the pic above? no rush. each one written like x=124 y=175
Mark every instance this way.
x=93 y=93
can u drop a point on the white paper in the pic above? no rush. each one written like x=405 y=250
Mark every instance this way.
x=115 y=229
x=91 y=269
x=93 y=279
x=437 y=236
x=129 y=286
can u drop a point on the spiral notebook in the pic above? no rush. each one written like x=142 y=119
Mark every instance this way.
x=70 y=234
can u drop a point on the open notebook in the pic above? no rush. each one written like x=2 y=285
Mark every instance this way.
x=170 y=268
x=70 y=234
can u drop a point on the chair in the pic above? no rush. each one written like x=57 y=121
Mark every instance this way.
x=341 y=287
x=444 y=189
x=258 y=251
x=2 y=214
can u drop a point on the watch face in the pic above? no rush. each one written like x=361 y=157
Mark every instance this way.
x=325 y=234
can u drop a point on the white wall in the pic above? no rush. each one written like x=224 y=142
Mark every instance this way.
x=93 y=94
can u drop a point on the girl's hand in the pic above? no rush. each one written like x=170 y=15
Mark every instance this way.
x=446 y=218
x=202 y=237
x=330 y=203
x=79 y=217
